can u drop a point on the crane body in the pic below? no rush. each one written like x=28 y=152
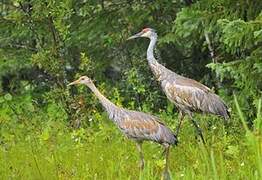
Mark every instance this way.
x=188 y=95
x=135 y=125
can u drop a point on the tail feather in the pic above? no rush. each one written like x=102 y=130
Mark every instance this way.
x=175 y=140
x=218 y=107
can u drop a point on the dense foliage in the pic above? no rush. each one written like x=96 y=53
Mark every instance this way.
x=45 y=44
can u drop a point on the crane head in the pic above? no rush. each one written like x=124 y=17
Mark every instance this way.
x=146 y=32
x=81 y=80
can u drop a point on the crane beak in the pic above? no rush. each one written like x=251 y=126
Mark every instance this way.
x=135 y=36
x=73 y=83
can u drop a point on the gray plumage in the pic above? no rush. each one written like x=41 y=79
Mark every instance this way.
x=135 y=125
x=187 y=94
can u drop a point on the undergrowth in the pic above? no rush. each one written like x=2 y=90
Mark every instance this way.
x=46 y=148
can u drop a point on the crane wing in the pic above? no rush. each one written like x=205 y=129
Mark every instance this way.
x=190 y=95
x=141 y=126
x=183 y=81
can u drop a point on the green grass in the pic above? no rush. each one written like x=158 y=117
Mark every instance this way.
x=54 y=151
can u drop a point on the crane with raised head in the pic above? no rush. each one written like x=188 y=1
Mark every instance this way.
x=188 y=95
x=135 y=125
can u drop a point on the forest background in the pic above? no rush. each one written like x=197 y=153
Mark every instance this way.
x=48 y=130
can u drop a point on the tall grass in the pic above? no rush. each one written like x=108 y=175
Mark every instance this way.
x=59 y=152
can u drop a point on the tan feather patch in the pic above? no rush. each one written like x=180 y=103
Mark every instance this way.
x=151 y=126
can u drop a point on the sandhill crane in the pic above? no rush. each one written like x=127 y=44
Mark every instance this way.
x=137 y=126
x=187 y=94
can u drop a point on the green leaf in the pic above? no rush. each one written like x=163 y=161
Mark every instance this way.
x=8 y=97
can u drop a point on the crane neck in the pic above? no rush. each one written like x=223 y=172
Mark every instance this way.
x=158 y=69
x=107 y=104
x=150 y=49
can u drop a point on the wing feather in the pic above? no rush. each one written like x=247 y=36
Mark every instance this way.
x=143 y=126
x=183 y=81
x=195 y=97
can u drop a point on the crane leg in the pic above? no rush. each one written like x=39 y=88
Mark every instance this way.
x=198 y=129
x=166 y=175
x=180 y=120
x=139 y=148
